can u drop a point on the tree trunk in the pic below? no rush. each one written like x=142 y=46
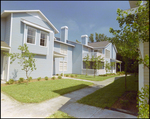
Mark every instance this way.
x=94 y=73
x=27 y=77
x=126 y=64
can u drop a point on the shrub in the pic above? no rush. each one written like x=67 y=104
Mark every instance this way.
x=57 y=74
x=61 y=74
x=67 y=75
x=72 y=75
x=39 y=78
x=11 y=81
x=46 y=78
x=21 y=79
x=144 y=102
x=7 y=82
x=59 y=77
x=53 y=77
x=29 y=79
x=76 y=75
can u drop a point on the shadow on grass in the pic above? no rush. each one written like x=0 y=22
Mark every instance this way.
x=70 y=89
x=107 y=96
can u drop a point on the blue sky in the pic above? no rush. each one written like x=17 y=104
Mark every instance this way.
x=81 y=17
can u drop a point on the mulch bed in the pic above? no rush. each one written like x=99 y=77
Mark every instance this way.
x=126 y=103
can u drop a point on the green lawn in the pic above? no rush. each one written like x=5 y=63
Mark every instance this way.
x=107 y=96
x=97 y=78
x=60 y=114
x=39 y=91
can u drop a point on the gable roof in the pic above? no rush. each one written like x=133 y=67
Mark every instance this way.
x=7 y=12
x=99 y=44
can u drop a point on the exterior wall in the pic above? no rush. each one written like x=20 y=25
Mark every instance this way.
x=7 y=29
x=44 y=61
x=77 y=63
x=146 y=70
x=67 y=59
x=2 y=55
x=3 y=28
x=64 y=34
x=113 y=55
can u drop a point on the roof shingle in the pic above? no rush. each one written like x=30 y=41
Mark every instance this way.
x=99 y=44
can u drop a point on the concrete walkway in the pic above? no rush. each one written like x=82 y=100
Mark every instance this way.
x=66 y=103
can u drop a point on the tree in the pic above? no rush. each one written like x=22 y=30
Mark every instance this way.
x=107 y=66
x=77 y=41
x=100 y=37
x=133 y=29
x=91 y=39
x=135 y=25
x=96 y=63
x=26 y=60
x=87 y=62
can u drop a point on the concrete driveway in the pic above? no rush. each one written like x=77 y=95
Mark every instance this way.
x=66 y=103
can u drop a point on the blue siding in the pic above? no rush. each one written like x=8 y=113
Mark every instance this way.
x=3 y=28
x=67 y=59
x=32 y=19
x=44 y=62
x=7 y=29
x=77 y=59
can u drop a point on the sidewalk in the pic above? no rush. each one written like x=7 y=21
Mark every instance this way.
x=66 y=103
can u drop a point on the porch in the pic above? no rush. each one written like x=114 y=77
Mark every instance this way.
x=91 y=71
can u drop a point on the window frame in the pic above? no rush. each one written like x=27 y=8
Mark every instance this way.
x=46 y=38
x=27 y=35
x=63 y=48
x=65 y=62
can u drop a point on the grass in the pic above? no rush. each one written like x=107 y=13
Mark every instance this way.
x=60 y=114
x=39 y=91
x=97 y=78
x=107 y=96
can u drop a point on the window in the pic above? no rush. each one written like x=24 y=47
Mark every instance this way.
x=63 y=49
x=61 y=66
x=43 y=39
x=31 y=35
x=107 y=53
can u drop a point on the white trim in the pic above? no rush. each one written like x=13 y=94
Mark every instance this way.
x=2 y=47
x=35 y=25
x=87 y=46
x=63 y=65
x=35 y=35
x=64 y=27
x=25 y=33
x=16 y=11
x=46 y=39
x=84 y=36
x=10 y=39
x=141 y=68
x=64 y=43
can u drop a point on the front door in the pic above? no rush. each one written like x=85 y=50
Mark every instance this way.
x=5 y=64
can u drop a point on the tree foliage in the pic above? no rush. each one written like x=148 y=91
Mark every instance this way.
x=25 y=59
x=77 y=41
x=96 y=62
x=91 y=39
x=134 y=28
x=100 y=37
x=86 y=59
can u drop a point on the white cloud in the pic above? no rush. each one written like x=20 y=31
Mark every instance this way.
x=72 y=25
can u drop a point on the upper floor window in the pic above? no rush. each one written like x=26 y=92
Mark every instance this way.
x=43 y=39
x=107 y=53
x=31 y=34
x=63 y=49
